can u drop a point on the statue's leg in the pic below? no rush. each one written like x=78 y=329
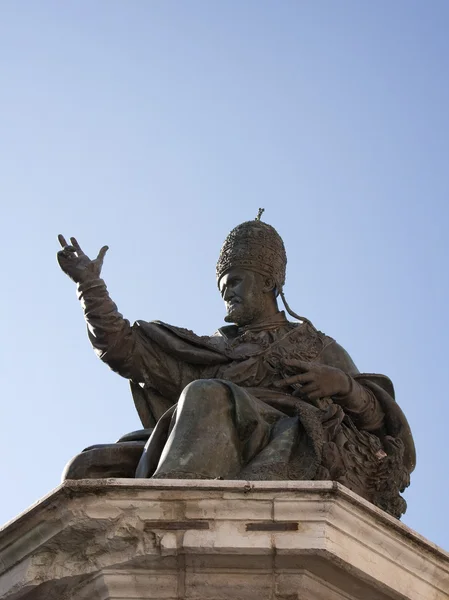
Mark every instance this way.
x=212 y=437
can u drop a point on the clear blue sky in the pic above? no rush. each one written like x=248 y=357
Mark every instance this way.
x=157 y=126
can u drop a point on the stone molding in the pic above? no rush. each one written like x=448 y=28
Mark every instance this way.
x=117 y=539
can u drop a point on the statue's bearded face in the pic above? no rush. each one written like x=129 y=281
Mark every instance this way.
x=244 y=296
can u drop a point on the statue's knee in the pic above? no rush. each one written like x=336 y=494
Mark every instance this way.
x=202 y=390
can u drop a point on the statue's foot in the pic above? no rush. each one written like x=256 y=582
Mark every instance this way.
x=103 y=461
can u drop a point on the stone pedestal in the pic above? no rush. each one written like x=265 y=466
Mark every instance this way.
x=120 y=539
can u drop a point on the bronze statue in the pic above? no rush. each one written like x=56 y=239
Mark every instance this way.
x=262 y=398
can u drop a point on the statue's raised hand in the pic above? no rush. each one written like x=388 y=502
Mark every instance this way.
x=77 y=265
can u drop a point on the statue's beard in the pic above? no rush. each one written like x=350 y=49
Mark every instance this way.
x=245 y=311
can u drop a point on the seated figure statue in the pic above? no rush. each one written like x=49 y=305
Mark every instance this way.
x=263 y=398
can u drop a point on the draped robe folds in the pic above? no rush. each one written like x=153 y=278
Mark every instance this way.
x=265 y=433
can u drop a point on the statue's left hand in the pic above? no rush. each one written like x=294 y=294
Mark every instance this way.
x=317 y=380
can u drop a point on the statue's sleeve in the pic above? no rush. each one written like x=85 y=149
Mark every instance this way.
x=125 y=349
x=361 y=403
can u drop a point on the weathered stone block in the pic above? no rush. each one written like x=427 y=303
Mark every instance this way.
x=128 y=539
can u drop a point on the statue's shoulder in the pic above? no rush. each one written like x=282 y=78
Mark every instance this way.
x=157 y=328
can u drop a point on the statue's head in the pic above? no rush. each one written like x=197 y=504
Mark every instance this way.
x=251 y=270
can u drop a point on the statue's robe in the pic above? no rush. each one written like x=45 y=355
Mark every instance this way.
x=269 y=433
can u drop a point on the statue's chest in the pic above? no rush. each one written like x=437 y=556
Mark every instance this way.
x=259 y=360
x=250 y=344
x=302 y=343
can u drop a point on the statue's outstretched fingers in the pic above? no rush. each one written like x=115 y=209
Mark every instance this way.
x=62 y=240
x=77 y=246
x=102 y=253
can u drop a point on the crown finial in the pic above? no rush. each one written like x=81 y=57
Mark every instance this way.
x=259 y=214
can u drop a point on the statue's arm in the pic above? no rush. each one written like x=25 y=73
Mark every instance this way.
x=113 y=338
x=120 y=345
x=331 y=374
x=358 y=401
x=126 y=349
x=361 y=404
